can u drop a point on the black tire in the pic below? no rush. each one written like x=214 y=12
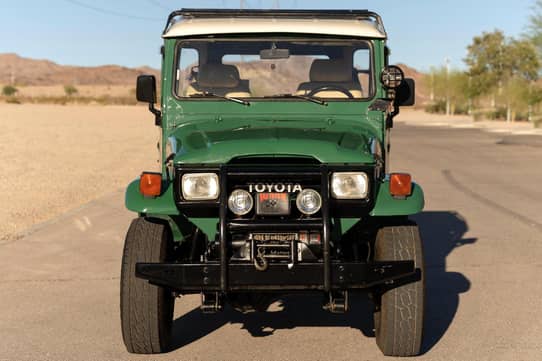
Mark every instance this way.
x=146 y=311
x=399 y=314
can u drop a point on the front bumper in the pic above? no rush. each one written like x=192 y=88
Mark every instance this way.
x=226 y=275
x=202 y=277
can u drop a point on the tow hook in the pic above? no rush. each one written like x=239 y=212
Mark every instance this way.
x=260 y=262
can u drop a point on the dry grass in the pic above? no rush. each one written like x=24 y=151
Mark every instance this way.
x=91 y=91
x=55 y=158
x=85 y=94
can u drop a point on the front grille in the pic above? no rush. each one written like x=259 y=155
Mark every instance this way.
x=241 y=176
x=286 y=181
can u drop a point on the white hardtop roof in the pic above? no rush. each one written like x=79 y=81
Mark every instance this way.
x=194 y=24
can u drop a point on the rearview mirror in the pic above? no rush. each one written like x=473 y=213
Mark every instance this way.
x=146 y=89
x=405 y=94
x=274 y=53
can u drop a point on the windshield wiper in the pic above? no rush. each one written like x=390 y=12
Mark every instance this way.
x=299 y=96
x=210 y=94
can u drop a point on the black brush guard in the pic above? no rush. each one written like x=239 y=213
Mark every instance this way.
x=193 y=278
x=223 y=276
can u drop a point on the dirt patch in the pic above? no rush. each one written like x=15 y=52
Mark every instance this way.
x=55 y=158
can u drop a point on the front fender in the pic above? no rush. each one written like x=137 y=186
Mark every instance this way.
x=163 y=204
x=386 y=205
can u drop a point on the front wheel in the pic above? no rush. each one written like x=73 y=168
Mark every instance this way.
x=399 y=312
x=146 y=311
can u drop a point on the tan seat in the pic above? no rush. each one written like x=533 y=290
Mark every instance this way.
x=220 y=79
x=332 y=72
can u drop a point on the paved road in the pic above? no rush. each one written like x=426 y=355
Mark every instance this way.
x=482 y=231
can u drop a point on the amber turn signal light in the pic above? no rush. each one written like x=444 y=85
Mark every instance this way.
x=150 y=184
x=400 y=184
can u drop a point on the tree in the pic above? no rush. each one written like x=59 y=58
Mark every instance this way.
x=534 y=28
x=519 y=77
x=70 y=90
x=450 y=85
x=485 y=59
x=9 y=90
x=502 y=68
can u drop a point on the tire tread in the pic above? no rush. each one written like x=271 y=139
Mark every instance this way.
x=146 y=310
x=399 y=328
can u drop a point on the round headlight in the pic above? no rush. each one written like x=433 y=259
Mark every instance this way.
x=308 y=201
x=392 y=76
x=240 y=202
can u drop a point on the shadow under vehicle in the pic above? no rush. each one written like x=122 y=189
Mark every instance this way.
x=273 y=175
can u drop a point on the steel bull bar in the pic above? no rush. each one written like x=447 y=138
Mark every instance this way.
x=224 y=276
x=201 y=277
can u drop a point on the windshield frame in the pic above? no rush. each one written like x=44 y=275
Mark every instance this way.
x=277 y=37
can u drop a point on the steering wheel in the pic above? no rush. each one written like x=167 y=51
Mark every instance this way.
x=338 y=88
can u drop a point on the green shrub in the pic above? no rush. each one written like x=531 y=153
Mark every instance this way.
x=498 y=113
x=438 y=107
x=9 y=90
x=461 y=109
x=70 y=90
x=13 y=100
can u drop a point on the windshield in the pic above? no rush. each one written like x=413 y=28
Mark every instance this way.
x=328 y=69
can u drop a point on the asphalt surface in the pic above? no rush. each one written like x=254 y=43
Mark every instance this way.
x=482 y=228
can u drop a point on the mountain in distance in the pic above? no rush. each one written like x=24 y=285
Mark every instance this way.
x=35 y=72
x=29 y=72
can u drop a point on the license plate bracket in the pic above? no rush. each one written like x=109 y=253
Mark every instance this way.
x=272 y=204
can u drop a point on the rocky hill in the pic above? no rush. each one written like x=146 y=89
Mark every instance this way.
x=33 y=72
x=28 y=72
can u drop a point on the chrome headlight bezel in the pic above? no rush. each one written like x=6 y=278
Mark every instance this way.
x=361 y=180
x=212 y=193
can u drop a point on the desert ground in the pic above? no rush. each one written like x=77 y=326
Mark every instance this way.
x=56 y=158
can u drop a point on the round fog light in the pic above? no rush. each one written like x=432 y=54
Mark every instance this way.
x=240 y=202
x=392 y=77
x=308 y=201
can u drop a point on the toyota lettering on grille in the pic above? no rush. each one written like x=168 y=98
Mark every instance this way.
x=274 y=187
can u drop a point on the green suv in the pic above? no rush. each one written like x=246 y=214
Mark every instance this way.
x=274 y=175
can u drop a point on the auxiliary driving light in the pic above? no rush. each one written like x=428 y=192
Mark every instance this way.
x=392 y=76
x=308 y=201
x=240 y=202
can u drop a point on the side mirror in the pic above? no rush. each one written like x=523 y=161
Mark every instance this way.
x=146 y=89
x=146 y=92
x=405 y=94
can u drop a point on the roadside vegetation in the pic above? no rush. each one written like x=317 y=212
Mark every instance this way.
x=12 y=95
x=502 y=79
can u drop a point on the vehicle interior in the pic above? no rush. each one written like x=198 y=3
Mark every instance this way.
x=267 y=69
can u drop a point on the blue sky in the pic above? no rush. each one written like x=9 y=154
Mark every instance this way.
x=127 y=32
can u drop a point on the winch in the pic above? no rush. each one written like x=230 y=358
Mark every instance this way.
x=272 y=247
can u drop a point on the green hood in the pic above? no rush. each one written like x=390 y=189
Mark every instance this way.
x=207 y=142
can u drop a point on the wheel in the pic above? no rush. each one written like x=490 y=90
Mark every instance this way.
x=146 y=311
x=400 y=311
